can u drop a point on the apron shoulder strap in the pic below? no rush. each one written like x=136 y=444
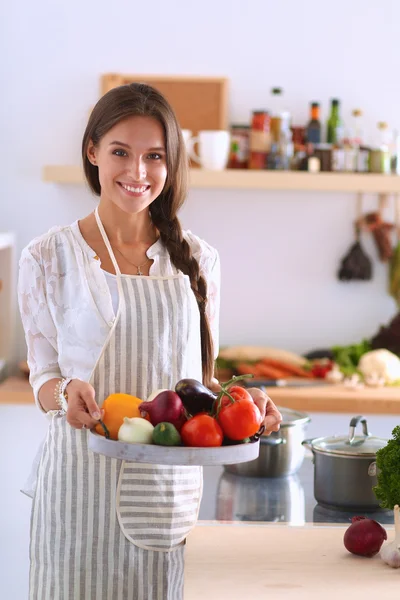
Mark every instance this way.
x=107 y=243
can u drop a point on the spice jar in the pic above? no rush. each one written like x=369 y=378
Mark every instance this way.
x=260 y=139
x=379 y=158
x=299 y=137
x=239 y=153
x=324 y=153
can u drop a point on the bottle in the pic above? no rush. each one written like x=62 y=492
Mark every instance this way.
x=352 y=143
x=313 y=130
x=260 y=139
x=286 y=148
x=356 y=134
x=276 y=113
x=334 y=125
x=396 y=156
x=274 y=160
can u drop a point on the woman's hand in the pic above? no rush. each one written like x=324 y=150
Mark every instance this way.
x=83 y=410
x=272 y=416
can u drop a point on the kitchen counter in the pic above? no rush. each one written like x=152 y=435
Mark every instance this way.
x=228 y=497
x=278 y=562
x=323 y=398
x=16 y=390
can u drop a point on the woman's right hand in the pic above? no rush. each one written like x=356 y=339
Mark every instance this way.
x=83 y=410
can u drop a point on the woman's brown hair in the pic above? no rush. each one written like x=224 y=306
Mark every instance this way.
x=138 y=99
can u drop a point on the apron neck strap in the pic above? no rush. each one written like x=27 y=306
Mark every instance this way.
x=106 y=241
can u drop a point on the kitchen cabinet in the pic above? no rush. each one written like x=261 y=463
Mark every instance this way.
x=7 y=298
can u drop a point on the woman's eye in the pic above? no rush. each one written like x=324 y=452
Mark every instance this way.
x=120 y=153
x=155 y=156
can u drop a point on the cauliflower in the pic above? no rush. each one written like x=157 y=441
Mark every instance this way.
x=380 y=364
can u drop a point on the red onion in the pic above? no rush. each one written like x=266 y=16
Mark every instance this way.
x=165 y=407
x=364 y=536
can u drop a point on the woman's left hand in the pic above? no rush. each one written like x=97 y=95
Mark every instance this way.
x=272 y=416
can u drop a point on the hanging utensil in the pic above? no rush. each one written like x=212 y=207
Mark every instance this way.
x=356 y=264
x=380 y=229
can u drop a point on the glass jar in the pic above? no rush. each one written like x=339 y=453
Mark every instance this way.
x=239 y=153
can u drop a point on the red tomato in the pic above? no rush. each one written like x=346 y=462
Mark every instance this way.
x=240 y=419
x=202 y=431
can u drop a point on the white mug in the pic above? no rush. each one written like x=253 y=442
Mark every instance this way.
x=214 y=149
x=186 y=134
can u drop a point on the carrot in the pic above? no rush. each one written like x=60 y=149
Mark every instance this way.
x=293 y=370
x=270 y=372
x=247 y=368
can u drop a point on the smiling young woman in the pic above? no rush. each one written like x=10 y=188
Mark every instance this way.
x=121 y=301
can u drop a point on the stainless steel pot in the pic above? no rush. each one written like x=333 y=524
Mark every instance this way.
x=281 y=453
x=345 y=468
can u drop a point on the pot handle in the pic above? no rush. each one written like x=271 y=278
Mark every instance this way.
x=353 y=424
x=308 y=443
x=272 y=441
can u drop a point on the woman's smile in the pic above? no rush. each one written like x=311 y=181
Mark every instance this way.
x=134 y=190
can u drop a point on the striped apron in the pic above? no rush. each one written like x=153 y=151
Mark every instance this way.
x=106 y=529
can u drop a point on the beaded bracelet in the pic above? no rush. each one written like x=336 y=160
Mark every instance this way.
x=60 y=394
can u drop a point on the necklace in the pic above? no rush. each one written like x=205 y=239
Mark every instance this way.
x=138 y=267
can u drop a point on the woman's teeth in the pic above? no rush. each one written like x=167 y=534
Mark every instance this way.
x=136 y=190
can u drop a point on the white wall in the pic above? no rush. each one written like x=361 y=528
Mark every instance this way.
x=279 y=251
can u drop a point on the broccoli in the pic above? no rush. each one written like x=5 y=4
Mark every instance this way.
x=388 y=472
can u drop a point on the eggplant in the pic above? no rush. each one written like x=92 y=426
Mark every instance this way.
x=195 y=396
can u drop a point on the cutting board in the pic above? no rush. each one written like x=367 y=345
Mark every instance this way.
x=199 y=102
x=280 y=562
x=338 y=399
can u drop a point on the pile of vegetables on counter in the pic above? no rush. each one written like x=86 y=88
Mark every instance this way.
x=190 y=415
x=366 y=537
x=374 y=362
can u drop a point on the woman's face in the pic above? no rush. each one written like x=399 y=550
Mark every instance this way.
x=132 y=163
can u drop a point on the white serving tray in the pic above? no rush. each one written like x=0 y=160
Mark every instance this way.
x=174 y=455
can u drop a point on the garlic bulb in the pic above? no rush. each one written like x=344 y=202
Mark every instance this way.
x=390 y=551
x=353 y=383
x=136 y=431
x=335 y=375
x=374 y=380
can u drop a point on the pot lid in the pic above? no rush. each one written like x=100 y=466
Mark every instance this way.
x=350 y=445
x=292 y=417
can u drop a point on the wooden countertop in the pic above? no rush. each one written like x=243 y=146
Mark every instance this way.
x=334 y=399
x=338 y=399
x=280 y=562
x=16 y=390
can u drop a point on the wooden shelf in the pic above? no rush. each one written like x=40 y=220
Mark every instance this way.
x=261 y=180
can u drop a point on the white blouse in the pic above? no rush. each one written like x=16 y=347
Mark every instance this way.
x=66 y=304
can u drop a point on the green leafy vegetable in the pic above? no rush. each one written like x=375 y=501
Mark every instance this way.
x=348 y=357
x=223 y=363
x=388 y=472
